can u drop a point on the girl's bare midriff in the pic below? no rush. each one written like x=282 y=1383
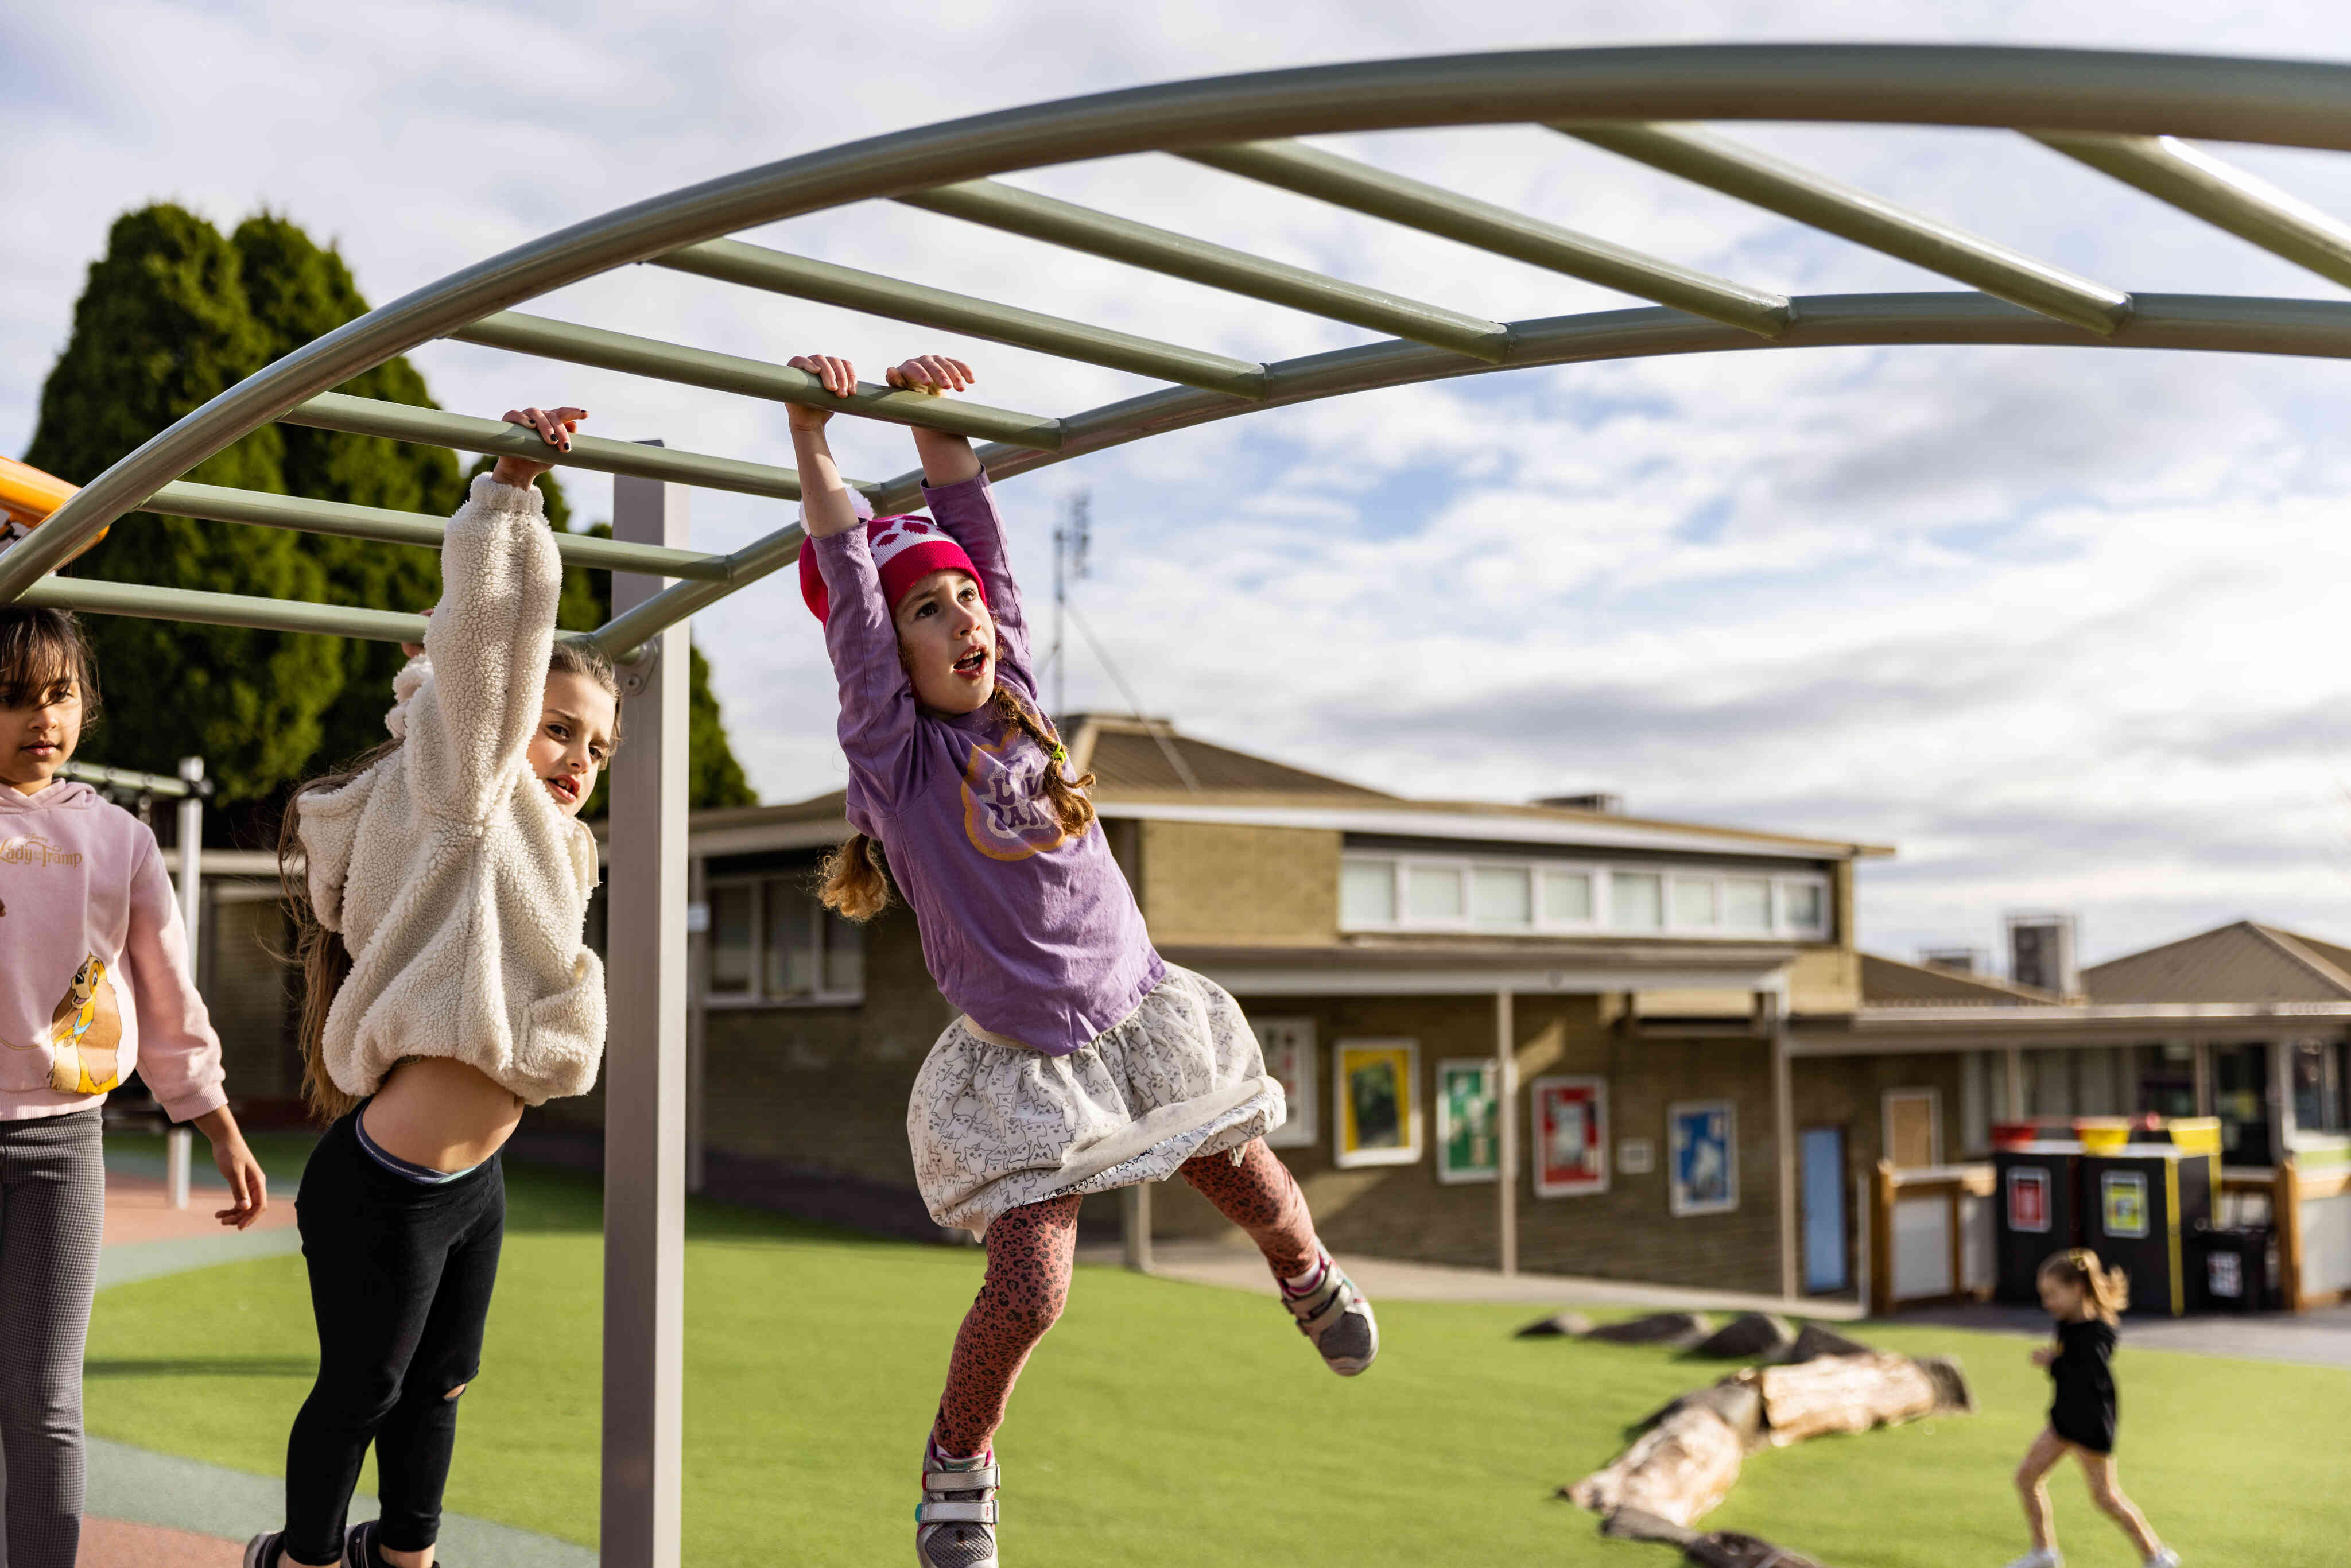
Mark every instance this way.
x=443 y=1113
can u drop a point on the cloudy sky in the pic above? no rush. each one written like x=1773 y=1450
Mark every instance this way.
x=2065 y=626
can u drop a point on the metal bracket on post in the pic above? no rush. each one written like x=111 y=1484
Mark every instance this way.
x=635 y=673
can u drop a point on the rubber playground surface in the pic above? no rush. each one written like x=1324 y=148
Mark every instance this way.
x=1162 y=1421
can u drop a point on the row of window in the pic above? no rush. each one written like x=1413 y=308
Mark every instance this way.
x=1430 y=893
x=771 y=941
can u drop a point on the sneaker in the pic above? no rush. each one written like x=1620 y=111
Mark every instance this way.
x=955 y=1524
x=2039 y=1557
x=261 y=1551
x=1334 y=1315
x=2165 y=1557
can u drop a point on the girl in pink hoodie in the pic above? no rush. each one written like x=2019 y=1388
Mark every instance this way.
x=94 y=981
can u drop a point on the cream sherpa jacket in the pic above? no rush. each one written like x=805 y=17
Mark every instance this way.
x=458 y=887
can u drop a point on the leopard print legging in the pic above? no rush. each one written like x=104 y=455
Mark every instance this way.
x=1030 y=1250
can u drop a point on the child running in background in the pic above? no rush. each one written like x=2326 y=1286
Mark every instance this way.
x=94 y=981
x=440 y=889
x=1082 y=1061
x=2085 y=1298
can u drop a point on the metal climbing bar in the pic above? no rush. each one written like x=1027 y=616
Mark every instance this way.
x=632 y=628
x=1703 y=158
x=403 y=422
x=153 y=603
x=755 y=266
x=1074 y=227
x=1399 y=199
x=2223 y=195
x=182 y=499
x=579 y=345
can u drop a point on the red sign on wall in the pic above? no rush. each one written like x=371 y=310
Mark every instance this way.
x=2027 y=1199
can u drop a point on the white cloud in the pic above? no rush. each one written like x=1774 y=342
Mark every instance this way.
x=2062 y=624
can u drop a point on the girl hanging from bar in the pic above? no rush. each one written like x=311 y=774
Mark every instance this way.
x=1082 y=1061
x=440 y=887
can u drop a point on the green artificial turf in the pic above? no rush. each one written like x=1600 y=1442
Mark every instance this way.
x=1165 y=1423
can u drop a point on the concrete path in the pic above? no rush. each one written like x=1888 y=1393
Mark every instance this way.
x=147 y=1510
x=203 y=1506
x=2321 y=1338
x=1239 y=1268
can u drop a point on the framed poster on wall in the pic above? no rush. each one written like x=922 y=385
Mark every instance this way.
x=1570 y=1135
x=2027 y=1199
x=1468 y=1120
x=1288 y=1046
x=2124 y=1196
x=1702 y=1156
x=1374 y=1103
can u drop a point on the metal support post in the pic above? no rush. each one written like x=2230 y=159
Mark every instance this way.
x=191 y=854
x=2012 y=1074
x=697 y=1017
x=1783 y=1143
x=179 y=1145
x=1506 y=1137
x=1135 y=1225
x=645 y=1070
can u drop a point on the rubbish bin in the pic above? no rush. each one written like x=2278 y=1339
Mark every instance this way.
x=2232 y=1268
x=2140 y=1204
x=2038 y=1212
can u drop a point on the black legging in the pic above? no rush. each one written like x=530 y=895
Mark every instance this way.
x=401 y=1274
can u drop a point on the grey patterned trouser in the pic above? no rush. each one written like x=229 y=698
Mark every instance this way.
x=52 y=1209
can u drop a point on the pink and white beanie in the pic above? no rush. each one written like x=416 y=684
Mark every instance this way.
x=906 y=551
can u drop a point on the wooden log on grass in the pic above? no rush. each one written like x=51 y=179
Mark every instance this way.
x=1852 y=1393
x=1676 y=1470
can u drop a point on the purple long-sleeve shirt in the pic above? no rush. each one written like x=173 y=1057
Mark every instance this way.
x=1030 y=931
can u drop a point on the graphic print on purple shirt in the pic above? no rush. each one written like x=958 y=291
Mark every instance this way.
x=1029 y=930
x=1005 y=812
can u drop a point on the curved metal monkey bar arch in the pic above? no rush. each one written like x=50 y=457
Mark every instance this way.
x=2119 y=113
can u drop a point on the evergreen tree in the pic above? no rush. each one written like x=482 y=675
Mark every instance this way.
x=174 y=315
x=163 y=325
x=299 y=292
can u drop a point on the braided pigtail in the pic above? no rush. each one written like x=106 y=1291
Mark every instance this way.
x=1072 y=805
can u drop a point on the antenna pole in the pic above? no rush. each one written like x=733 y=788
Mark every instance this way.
x=1071 y=542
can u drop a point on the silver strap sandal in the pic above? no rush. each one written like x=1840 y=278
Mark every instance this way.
x=955 y=1524
x=1336 y=1318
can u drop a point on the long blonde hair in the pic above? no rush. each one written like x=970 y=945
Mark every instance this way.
x=2105 y=1287
x=324 y=961
x=856 y=885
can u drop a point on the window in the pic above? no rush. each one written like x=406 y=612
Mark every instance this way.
x=770 y=941
x=1408 y=892
x=1368 y=892
x=1567 y=898
x=732 y=928
x=2318 y=1086
x=1636 y=899
x=1432 y=893
x=1503 y=896
x=1747 y=903
x=1694 y=907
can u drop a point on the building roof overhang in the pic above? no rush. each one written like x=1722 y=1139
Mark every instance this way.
x=1484 y=968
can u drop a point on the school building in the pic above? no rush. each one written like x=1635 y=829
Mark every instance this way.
x=1667 y=1031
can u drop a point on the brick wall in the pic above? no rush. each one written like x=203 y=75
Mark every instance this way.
x=1626 y=1232
x=1216 y=883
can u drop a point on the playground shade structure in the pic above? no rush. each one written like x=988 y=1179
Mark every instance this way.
x=2119 y=113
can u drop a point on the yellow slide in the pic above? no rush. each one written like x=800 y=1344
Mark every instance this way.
x=27 y=495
